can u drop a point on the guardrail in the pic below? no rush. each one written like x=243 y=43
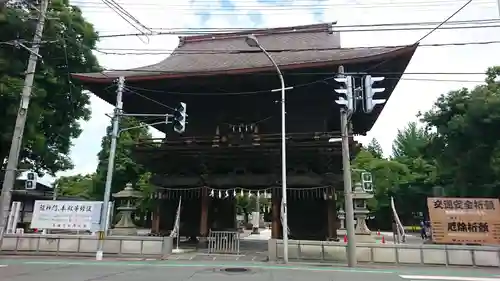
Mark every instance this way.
x=224 y=242
x=422 y=254
x=86 y=245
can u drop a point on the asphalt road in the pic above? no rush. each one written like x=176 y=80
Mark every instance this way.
x=19 y=269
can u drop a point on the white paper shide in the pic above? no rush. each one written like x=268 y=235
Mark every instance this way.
x=72 y=215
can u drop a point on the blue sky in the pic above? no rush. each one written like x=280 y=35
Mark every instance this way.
x=409 y=97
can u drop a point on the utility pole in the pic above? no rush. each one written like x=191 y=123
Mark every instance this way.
x=111 y=164
x=17 y=136
x=498 y=7
x=54 y=192
x=346 y=165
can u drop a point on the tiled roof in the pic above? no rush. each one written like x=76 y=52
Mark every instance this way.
x=291 y=47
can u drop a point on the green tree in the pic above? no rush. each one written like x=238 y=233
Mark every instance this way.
x=467 y=140
x=75 y=186
x=126 y=169
x=57 y=105
x=146 y=188
x=410 y=141
x=410 y=149
x=246 y=204
x=375 y=148
x=388 y=176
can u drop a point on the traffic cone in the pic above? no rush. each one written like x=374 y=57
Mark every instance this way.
x=345 y=238
x=378 y=233
x=383 y=239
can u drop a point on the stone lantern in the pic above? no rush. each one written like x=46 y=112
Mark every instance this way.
x=127 y=199
x=360 y=198
x=341 y=215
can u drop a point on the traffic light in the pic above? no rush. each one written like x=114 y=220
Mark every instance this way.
x=31 y=179
x=368 y=92
x=348 y=91
x=179 y=122
x=367 y=181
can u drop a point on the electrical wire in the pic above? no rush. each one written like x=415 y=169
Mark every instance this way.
x=360 y=73
x=209 y=6
x=130 y=90
x=252 y=3
x=339 y=29
x=126 y=16
x=425 y=36
x=136 y=51
x=134 y=89
x=205 y=30
x=445 y=21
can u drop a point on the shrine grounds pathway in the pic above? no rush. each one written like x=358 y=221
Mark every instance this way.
x=47 y=269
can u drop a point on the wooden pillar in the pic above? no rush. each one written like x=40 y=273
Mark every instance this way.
x=204 y=213
x=276 y=219
x=156 y=218
x=332 y=214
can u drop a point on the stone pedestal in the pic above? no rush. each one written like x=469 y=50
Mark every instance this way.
x=362 y=232
x=126 y=225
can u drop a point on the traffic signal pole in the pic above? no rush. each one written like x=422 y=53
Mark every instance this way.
x=17 y=136
x=179 y=117
x=346 y=166
x=111 y=165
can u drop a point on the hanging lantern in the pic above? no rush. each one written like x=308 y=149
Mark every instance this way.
x=258 y=194
x=212 y=193
x=227 y=194
x=234 y=193
x=220 y=194
x=242 y=193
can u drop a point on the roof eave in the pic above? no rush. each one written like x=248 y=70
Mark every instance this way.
x=86 y=78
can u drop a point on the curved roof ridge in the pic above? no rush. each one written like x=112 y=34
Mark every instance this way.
x=321 y=27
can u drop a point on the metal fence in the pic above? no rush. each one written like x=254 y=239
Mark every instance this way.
x=224 y=242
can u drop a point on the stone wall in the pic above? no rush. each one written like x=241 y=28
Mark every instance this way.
x=421 y=254
x=86 y=245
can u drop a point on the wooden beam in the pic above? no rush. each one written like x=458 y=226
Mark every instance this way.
x=248 y=180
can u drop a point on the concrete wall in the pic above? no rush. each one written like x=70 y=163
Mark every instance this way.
x=86 y=245
x=388 y=253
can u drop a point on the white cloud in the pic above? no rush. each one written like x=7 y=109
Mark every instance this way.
x=408 y=98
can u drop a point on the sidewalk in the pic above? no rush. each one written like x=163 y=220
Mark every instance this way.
x=264 y=235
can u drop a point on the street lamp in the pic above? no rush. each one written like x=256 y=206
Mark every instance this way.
x=252 y=41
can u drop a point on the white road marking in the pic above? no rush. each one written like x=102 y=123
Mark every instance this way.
x=3 y=265
x=447 y=278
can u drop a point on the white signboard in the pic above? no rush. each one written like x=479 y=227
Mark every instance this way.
x=69 y=215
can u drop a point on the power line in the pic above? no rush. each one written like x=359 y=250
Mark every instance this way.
x=252 y=3
x=135 y=89
x=439 y=26
x=307 y=73
x=445 y=21
x=210 y=6
x=185 y=32
x=134 y=51
x=126 y=16
x=204 y=30
x=458 y=22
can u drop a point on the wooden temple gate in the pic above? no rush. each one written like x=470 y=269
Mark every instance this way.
x=314 y=219
x=209 y=199
x=232 y=141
